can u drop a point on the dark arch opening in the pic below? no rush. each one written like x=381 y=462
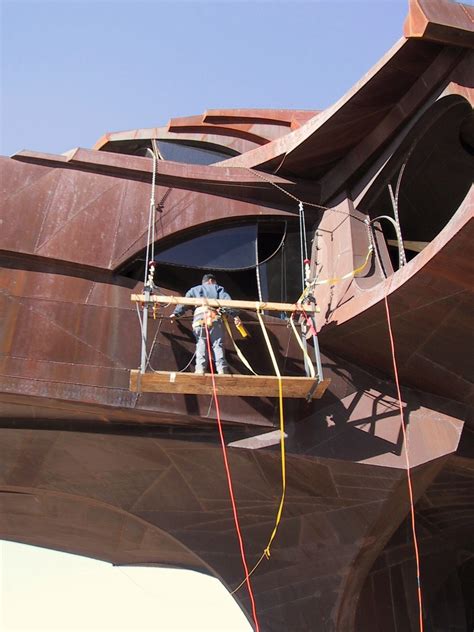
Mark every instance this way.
x=249 y=258
x=439 y=163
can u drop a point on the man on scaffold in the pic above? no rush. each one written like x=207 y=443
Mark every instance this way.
x=205 y=316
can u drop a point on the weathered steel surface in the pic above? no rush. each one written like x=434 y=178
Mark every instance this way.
x=441 y=21
x=373 y=104
x=89 y=467
x=165 y=500
x=238 y=130
x=432 y=303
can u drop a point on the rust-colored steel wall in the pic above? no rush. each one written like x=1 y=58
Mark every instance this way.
x=89 y=467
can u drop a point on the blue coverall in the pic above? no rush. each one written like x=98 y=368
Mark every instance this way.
x=215 y=326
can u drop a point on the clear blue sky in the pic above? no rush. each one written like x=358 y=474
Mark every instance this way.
x=71 y=71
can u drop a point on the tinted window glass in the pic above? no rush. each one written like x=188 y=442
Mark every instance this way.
x=222 y=249
x=232 y=253
x=191 y=154
x=281 y=275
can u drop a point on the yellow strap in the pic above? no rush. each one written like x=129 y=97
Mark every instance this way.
x=335 y=280
x=282 y=439
x=303 y=349
x=266 y=551
x=349 y=274
x=237 y=350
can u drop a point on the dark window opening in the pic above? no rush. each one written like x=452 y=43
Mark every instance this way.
x=240 y=284
x=281 y=275
x=193 y=153
x=188 y=152
x=129 y=147
x=244 y=257
x=224 y=248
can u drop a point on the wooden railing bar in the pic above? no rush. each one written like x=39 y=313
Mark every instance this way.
x=212 y=302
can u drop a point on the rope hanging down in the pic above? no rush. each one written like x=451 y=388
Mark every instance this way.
x=303 y=245
x=229 y=484
x=266 y=551
x=282 y=436
x=148 y=281
x=405 y=446
x=150 y=240
x=407 y=461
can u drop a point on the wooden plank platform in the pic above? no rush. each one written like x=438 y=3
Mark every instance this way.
x=233 y=385
x=214 y=302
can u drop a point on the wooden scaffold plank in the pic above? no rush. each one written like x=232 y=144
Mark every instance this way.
x=214 y=302
x=232 y=385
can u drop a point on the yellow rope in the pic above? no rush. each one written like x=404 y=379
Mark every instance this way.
x=243 y=359
x=266 y=551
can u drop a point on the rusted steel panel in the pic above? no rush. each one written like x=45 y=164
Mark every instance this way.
x=90 y=467
x=449 y=23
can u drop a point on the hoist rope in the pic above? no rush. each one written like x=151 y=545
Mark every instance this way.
x=156 y=149
x=150 y=239
x=229 y=482
x=148 y=280
x=407 y=460
x=257 y=270
x=303 y=248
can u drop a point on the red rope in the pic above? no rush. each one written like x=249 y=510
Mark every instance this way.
x=229 y=483
x=410 y=486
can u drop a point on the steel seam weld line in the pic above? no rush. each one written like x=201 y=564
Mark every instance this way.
x=229 y=482
x=405 y=443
